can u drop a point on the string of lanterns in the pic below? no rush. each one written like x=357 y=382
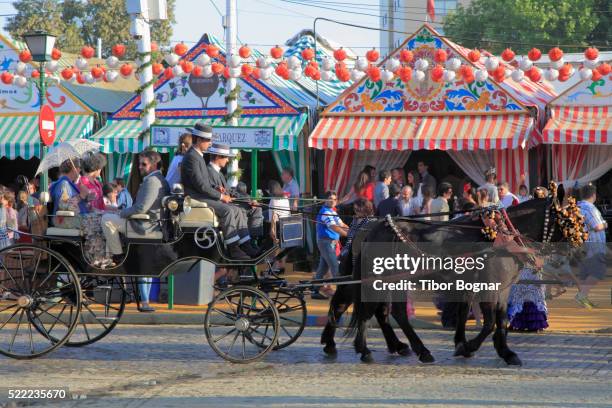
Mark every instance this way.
x=403 y=65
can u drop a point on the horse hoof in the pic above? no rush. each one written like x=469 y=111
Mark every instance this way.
x=513 y=360
x=426 y=358
x=330 y=350
x=404 y=350
x=367 y=358
x=462 y=351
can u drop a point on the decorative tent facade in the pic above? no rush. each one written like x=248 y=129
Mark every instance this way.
x=479 y=124
x=579 y=132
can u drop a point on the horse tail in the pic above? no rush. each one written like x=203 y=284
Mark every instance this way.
x=358 y=309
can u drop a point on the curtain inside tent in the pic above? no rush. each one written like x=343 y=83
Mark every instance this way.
x=580 y=164
x=511 y=165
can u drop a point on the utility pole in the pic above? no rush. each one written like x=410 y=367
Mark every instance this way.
x=230 y=49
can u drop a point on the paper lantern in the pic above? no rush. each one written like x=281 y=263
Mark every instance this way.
x=565 y=70
x=340 y=54
x=340 y=66
x=518 y=75
x=551 y=74
x=80 y=78
x=67 y=74
x=20 y=68
x=207 y=71
x=246 y=70
x=235 y=61
x=282 y=69
x=466 y=71
x=525 y=64
x=453 y=64
x=591 y=63
x=474 y=56
x=187 y=66
x=310 y=70
x=52 y=66
x=97 y=72
x=508 y=55
x=440 y=56
x=266 y=73
x=212 y=51
x=404 y=73
x=343 y=75
x=217 y=68
x=7 y=78
x=276 y=52
x=555 y=54
x=264 y=62
x=256 y=74
x=126 y=70
x=374 y=73
x=20 y=81
x=392 y=64
x=558 y=63
x=293 y=62
x=596 y=75
x=203 y=60
x=89 y=78
x=449 y=76
x=25 y=56
x=481 y=75
x=406 y=56
x=604 y=69
x=154 y=46
x=111 y=76
x=585 y=73
x=372 y=55
x=168 y=73
x=317 y=76
x=112 y=62
x=327 y=75
x=35 y=74
x=56 y=54
x=534 y=74
x=235 y=72
x=534 y=54
x=295 y=74
x=437 y=73
x=172 y=59
x=87 y=52
x=469 y=78
x=591 y=53
x=157 y=68
x=387 y=76
x=356 y=75
x=491 y=63
x=244 y=52
x=419 y=76
x=226 y=73
x=563 y=78
x=308 y=54
x=361 y=64
x=421 y=64
x=499 y=74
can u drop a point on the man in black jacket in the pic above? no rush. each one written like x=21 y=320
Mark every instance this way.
x=390 y=206
x=198 y=185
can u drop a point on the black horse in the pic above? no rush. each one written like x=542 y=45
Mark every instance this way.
x=532 y=218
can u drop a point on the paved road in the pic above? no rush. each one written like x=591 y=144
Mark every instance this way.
x=172 y=366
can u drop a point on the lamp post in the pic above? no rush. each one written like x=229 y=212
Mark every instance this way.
x=41 y=46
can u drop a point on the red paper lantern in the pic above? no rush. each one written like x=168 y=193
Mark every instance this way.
x=534 y=74
x=118 y=50
x=499 y=74
x=373 y=73
x=440 y=56
x=555 y=54
x=168 y=73
x=308 y=54
x=226 y=72
x=596 y=75
x=80 y=78
x=35 y=74
x=56 y=54
x=246 y=70
x=474 y=56
x=180 y=49
x=343 y=75
x=7 y=78
x=372 y=55
x=244 y=51
x=154 y=46
x=591 y=53
x=187 y=66
x=256 y=74
x=340 y=66
x=469 y=78
x=340 y=55
x=125 y=70
x=276 y=52
x=197 y=71
x=317 y=76
x=404 y=73
x=25 y=56
x=217 y=68
x=310 y=70
x=212 y=51
x=97 y=72
x=87 y=52
x=282 y=70
x=466 y=71
x=563 y=78
x=437 y=73
x=67 y=73
x=157 y=68
x=565 y=70
x=534 y=54
x=604 y=69
x=406 y=56
x=508 y=55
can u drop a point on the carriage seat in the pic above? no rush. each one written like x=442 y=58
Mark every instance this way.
x=64 y=232
x=200 y=215
x=131 y=234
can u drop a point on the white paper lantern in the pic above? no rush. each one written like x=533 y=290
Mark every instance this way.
x=491 y=63
x=481 y=75
x=386 y=75
x=327 y=65
x=20 y=81
x=449 y=75
x=295 y=74
x=518 y=75
x=551 y=74
x=266 y=73
x=421 y=64
x=293 y=62
x=507 y=73
x=453 y=64
x=203 y=60
x=327 y=75
x=557 y=64
x=172 y=59
x=207 y=71
x=264 y=62
x=89 y=78
x=52 y=66
x=20 y=68
x=235 y=72
x=112 y=61
x=177 y=70
x=361 y=64
x=356 y=74
x=111 y=76
x=235 y=61
x=81 y=63
x=392 y=64
x=591 y=63
x=419 y=75
x=525 y=64
x=586 y=73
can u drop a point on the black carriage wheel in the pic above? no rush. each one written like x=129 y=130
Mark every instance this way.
x=40 y=301
x=102 y=305
x=292 y=315
x=242 y=324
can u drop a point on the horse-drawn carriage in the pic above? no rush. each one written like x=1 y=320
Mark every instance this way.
x=51 y=296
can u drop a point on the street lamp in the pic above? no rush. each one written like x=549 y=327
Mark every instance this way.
x=41 y=46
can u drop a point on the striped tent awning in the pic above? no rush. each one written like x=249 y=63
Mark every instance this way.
x=123 y=136
x=425 y=132
x=579 y=125
x=19 y=135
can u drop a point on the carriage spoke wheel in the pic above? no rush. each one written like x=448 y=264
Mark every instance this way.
x=103 y=303
x=242 y=324
x=40 y=301
x=292 y=316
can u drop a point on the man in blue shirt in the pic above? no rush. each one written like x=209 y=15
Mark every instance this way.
x=593 y=267
x=329 y=230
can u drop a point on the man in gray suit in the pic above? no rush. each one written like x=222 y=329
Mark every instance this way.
x=148 y=201
x=219 y=157
x=198 y=185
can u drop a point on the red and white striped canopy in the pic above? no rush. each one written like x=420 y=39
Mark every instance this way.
x=579 y=125
x=425 y=132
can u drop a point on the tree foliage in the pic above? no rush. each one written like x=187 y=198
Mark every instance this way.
x=497 y=24
x=77 y=23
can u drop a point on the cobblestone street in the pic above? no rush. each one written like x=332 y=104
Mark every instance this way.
x=173 y=366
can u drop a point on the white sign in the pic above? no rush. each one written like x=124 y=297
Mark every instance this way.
x=236 y=137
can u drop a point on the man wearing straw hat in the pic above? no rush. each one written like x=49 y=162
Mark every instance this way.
x=198 y=184
x=220 y=155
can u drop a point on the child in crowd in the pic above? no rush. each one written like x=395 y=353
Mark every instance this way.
x=110 y=192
